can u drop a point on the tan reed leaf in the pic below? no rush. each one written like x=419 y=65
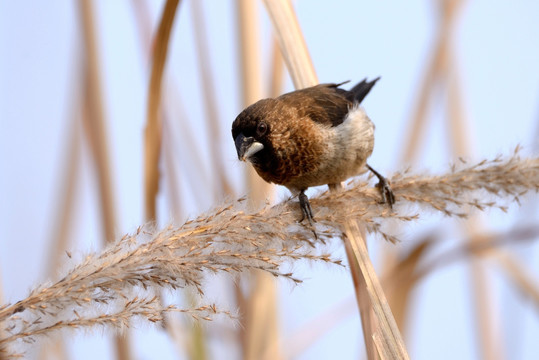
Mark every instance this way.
x=292 y=43
x=485 y=245
x=276 y=71
x=152 y=134
x=401 y=286
x=222 y=185
x=94 y=122
x=520 y=276
x=259 y=331
x=434 y=76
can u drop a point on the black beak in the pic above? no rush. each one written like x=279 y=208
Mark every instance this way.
x=246 y=146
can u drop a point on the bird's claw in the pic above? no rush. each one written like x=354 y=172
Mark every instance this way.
x=385 y=190
x=306 y=211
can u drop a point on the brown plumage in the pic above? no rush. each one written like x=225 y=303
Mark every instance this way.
x=314 y=136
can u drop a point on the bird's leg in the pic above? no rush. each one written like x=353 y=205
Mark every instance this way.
x=306 y=210
x=383 y=186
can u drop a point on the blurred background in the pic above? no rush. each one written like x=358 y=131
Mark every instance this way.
x=459 y=79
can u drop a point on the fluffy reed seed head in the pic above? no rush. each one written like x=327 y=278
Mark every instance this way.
x=230 y=239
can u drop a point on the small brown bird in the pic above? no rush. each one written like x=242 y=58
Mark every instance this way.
x=309 y=137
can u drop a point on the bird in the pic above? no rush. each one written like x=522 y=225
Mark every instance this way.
x=309 y=137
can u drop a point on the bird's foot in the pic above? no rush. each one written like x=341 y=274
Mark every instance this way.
x=306 y=211
x=385 y=190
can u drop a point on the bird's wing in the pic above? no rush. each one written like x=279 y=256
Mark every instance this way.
x=324 y=104
x=327 y=103
x=330 y=104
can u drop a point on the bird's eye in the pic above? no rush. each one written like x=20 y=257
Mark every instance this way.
x=262 y=128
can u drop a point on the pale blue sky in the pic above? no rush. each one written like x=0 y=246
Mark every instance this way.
x=497 y=54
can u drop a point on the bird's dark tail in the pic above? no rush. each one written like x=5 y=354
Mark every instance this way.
x=362 y=89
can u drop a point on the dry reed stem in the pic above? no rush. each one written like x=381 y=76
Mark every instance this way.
x=94 y=121
x=311 y=332
x=368 y=321
x=417 y=122
x=292 y=43
x=172 y=99
x=399 y=292
x=259 y=333
x=152 y=134
x=460 y=137
x=60 y=235
x=144 y=26
x=484 y=245
x=277 y=70
x=173 y=109
x=432 y=78
x=222 y=186
x=171 y=177
x=250 y=69
x=251 y=80
x=173 y=328
x=229 y=239
x=362 y=299
x=387 y=329
x=520 y=276
x=490 y=343
x=381 y=350
x=153 y=131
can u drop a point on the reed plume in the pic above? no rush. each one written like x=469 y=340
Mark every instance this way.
x=108 y=288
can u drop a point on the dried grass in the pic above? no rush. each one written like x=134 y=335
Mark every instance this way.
x=222 y=185
x=292 y=43
x=126 y=275
x=94 y=121
x=259 y=333
x=152 y=134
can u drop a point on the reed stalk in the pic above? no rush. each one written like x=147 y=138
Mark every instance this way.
x=152 y=134
x=222 y=185
x=95 y=128
x=259 y=335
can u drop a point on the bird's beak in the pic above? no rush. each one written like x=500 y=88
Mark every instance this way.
x=247 y=147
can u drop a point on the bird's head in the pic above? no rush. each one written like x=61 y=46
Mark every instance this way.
x=251 y=130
